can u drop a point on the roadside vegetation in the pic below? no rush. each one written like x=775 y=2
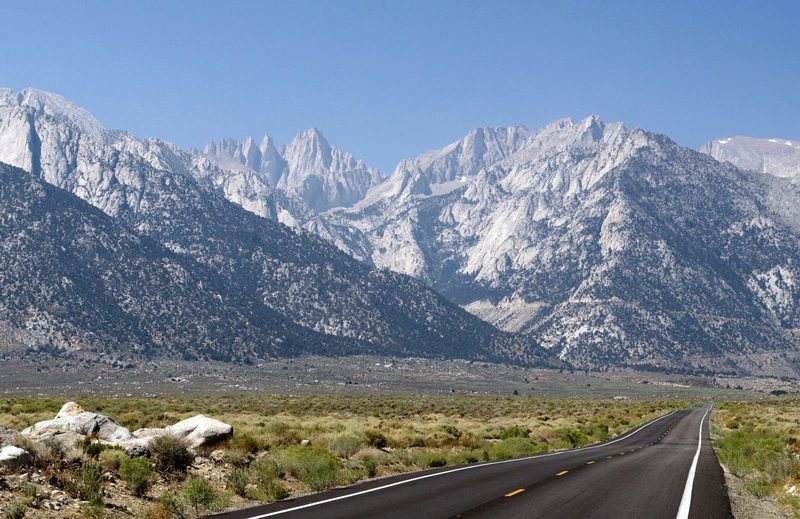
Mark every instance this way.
x=759 y=443
x=289 y=445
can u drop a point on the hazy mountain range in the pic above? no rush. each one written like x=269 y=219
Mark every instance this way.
x=581 y=242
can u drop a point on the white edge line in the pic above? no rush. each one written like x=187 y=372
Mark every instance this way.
x=686 y=500
x=468 y=467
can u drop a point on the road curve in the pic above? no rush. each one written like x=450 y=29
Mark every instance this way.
x=664 y=468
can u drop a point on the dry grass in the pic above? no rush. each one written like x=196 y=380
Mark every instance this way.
x=759 y=441
x=350 y=438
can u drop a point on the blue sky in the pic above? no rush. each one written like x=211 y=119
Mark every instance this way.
x=385 y=80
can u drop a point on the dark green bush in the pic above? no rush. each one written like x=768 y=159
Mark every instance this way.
x=87 y=483
x=111 y=459
x=431 y=460
x=514 y=447
x=244 y=443
x=264 y=470
x=237 y=481
x=514 y=431
x=314 y=466
x=170 y=454
x=14 y=511
x=171 y=505
x=201 y=496
x=375 y=438
x=451 y=430
x=370 y=467
x=574 y=437
x=138 y=474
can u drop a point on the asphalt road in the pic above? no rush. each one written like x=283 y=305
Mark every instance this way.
x=665 y=468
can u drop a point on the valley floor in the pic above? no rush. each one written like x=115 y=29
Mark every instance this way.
x=359 y=375
x=310 y=424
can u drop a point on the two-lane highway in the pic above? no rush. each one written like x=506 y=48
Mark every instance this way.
x=664 y=468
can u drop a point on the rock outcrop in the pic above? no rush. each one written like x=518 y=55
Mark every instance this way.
x=197 y=431
x=13 y=457
x=74 y=423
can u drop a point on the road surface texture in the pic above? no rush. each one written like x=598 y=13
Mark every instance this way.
x=665 y=468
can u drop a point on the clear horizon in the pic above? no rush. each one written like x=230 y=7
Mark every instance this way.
x=385 y=82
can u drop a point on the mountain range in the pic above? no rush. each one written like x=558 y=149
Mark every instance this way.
x=583 y=243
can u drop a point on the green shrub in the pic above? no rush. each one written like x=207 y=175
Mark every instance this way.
x=314 y=466
x=171 y=505
x=237 y=481
x=370 y=467
x=111 y=459
x=36 y=496
x=451 y=430
x=170 y=454
x=201 y=496
x=93 y=511
x=281 y=433
x=87 y=483
x=345 y=445
x=599 y=431
x=514 y=447
x=431 y=459
x=235 y=458
x=14 y=511
x=94 y=449
x=244 y=443
x=264 y=470
x=471 y=457
x=514 y=431
x=54 y=448
x=138 y=474
x=265 y=473
x=574 y=437
x=375 y=438
x=758 y=487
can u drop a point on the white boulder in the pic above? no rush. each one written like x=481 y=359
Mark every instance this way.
x=200 y=431
x=13 y=457
x=72 y=421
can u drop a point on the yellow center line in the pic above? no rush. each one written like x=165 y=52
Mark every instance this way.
x=562 y=473
x=517 y=491
x=589 y=462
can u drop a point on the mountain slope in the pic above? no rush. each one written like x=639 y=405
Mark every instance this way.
x=72 y=278
x=609 y=246
x=152 y=188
